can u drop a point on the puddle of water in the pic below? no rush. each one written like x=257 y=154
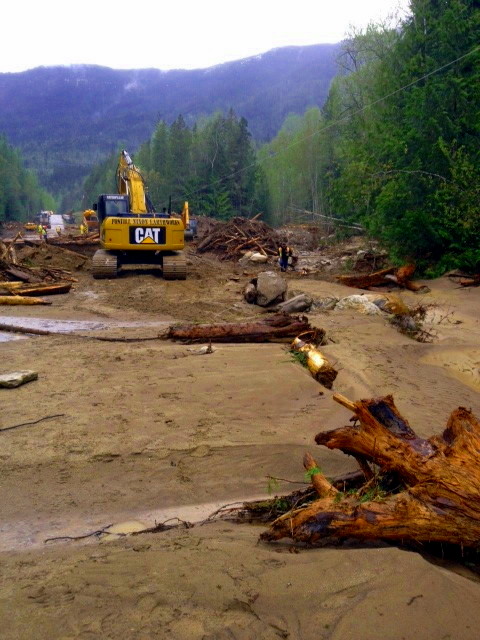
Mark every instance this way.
x=8 y=337
x=21 y=535
x=68 y=326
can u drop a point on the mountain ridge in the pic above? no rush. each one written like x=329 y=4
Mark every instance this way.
x=64 y=119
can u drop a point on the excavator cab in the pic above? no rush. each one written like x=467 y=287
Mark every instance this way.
x=111 y=205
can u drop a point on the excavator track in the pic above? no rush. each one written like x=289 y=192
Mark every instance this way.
x=104 y=265
x=175 y=267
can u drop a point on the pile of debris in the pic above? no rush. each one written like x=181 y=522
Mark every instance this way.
x=232 y=239
x=20 y=282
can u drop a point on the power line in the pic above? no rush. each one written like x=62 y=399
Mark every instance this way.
x=335 y=122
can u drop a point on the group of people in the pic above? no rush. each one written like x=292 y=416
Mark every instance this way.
x=42 y=232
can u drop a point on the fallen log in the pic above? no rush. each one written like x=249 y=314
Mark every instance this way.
x=436 y=482
x=277 y=328
x=471 y=282
x=366 y=280
x=15 y=300
x=401 y=277
x=44 y=290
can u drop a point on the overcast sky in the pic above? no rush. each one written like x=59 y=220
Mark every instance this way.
x=171 y=34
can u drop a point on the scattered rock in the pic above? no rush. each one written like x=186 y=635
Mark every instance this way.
x=17 y=378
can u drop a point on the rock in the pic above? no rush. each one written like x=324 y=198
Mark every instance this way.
x=302 y=302
x=17 y=378
x=326 y=304
x=250 y=292
x=271 y=288
x=359 y=303
x=258 y=257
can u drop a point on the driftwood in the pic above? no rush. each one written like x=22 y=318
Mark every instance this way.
x=15 y=329
x=427 y=489
x=401 y=277
x=277 y=328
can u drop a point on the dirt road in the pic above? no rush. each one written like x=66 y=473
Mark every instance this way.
x=152 y=429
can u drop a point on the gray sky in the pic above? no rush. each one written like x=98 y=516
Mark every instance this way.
x=171 y=34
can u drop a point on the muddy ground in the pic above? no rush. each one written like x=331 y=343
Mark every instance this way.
x=151 y=430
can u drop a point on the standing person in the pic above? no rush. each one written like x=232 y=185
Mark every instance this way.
x=82 y=229
x=44 y=234
x=284 y=252
x=40 y=231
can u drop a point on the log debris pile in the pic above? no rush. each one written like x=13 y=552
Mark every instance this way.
x=276 y=328
x=427 y=490
x=232 y=239
x=68 y=240
x=19 y=283
x=401 y=277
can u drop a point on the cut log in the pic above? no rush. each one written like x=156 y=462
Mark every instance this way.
x=14 y=300
x=437 y=482
x=277 y=328
x=318 y=365
x=11 y=285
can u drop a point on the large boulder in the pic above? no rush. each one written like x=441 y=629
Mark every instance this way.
x=271 y=288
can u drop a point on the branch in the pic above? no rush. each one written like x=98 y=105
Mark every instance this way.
x=25 y=424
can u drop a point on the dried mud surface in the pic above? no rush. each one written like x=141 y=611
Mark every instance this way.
x=152 y=428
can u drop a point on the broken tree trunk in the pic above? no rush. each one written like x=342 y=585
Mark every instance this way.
x=277 y=328
x=437 y=480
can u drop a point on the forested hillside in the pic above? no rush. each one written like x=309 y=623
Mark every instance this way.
x=66 y=119
x=20 y=195
x=397 y=145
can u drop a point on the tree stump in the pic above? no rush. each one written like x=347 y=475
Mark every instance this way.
x=437 y=493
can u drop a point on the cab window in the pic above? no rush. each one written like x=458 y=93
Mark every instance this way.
x=115 y=208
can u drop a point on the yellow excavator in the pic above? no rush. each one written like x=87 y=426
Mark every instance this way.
x=90 y=220
x=132 y=232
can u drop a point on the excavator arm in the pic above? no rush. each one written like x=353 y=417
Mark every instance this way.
x=130 y=183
